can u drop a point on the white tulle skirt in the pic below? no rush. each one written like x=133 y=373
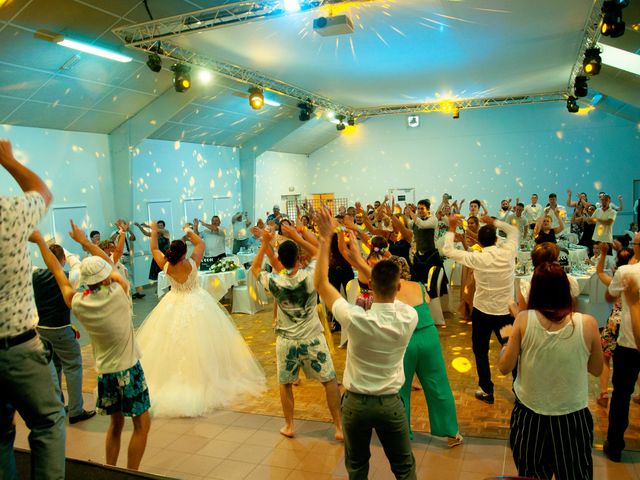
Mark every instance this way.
x=194 y=358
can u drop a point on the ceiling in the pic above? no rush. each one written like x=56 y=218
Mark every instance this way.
x=402 y=52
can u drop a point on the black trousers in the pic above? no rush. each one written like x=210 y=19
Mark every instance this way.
x=546 y=445
x=340 y=275
x=482 y=326
x=626 y=366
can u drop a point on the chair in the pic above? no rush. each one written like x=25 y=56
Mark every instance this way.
x=352 y=291
x=435 y=306
x=327 y=330
x=246 y=296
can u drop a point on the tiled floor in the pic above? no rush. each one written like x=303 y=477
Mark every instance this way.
x=232 y=445
x=246 y=444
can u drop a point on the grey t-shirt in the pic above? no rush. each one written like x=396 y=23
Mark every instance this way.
x=297 y=299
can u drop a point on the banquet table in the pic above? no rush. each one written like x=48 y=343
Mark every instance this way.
x=217 y=284
x=577 y=254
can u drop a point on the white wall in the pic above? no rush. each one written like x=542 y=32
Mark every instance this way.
x=279 y=174
x=75 y=167
x=174 y=171
x=488 y=153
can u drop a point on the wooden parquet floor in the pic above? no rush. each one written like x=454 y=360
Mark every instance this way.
x=475 y=418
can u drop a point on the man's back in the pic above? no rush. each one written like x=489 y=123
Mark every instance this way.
x=18 y=218
x=378 y=339
x=296 y=298
x=52 y=309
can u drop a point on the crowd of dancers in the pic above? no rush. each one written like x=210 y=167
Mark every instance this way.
x=195 y=360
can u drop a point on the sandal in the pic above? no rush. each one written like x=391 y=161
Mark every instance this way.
x=455 y=441
x=603 y=400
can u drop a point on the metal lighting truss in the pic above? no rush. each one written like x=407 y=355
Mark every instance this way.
x=590 y=39
x=156 y=36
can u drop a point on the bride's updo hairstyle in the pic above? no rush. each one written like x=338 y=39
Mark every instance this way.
x=176 y=251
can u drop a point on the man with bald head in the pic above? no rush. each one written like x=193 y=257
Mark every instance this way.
x=626 y=361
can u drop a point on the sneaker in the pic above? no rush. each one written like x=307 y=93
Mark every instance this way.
x=611 y=455
x=83 y=416
x=485 y=397
x=454 y=441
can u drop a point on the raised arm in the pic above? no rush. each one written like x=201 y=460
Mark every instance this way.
x=143 y=228
x=291 y=233
x=538 y=227
x=54 y=267
x=560 y=226
x=398 y=225
x=570 y=203
x=633 y=302
x=78 y=235
x=620 y=203
x=198 y=246
x=117 y=254
x=158 y=256
x=603 y=248
x=327 y=292
x=26 y=179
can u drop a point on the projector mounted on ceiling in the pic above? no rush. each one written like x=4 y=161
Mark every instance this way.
x=331 y=26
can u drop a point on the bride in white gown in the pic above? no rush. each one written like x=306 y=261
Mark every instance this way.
x=193 y=357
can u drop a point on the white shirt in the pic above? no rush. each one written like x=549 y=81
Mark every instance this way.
x=493 y=270
x=532 y=213
x=520 y=222
x=554 y=219
x=378 y=339
x=18 y=218
x=214 y=242
x=616 y=288
x=602 y=232
x=557 y=358
x=240 y=229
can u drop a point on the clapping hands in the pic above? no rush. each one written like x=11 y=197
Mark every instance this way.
x=326 y=223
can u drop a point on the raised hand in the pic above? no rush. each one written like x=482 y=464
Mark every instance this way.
x=154 y=226
x=77 y=234
x=257 y=232
x=6 y=152
x=325 y=222
x=36 y=237
x=487 y=219
x=288 y=231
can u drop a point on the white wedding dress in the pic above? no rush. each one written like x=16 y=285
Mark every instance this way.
x=193 y=357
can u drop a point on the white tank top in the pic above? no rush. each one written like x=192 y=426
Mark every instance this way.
x=552 y=368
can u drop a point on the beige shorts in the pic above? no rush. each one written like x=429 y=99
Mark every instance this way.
x=312 y=355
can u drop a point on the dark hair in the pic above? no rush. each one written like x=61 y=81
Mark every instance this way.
x=175 y=252
x=550 y=292
x=426 y=202
x=474 y=218
x=94 y=232
x=58 y=251
x=553 y=195
x=520 y=204
x=545 y=252
x=477 y=202
x=487 y=235
x=623 y=257
x=161 y=222
x=384 y=278
x=534 y=194
x=381 y=244
x=288 y=254
x=282 y=220
x=105 y=244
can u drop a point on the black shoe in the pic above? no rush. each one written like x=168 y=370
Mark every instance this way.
x=611 y=455
x=485 y=397
x=83 y=416
x=138 y=295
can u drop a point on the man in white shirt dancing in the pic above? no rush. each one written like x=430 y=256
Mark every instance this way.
x=493 y=269
x=374 y=370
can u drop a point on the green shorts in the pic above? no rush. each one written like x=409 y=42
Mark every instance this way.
x=123 y=392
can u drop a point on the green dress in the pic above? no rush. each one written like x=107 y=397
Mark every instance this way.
x=424 y=358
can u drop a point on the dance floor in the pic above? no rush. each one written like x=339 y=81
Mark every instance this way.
x=475 y=418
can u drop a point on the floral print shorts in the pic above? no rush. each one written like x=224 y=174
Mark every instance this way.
x=312 y=355
x=123 y=392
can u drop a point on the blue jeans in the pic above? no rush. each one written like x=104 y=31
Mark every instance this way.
x=67 y=358
x=26 y=385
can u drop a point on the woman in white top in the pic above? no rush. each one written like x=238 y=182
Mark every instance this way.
x=554 y=348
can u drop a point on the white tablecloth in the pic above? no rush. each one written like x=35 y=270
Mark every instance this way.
x=577 y=254
x=217 y=284
x=246 y=257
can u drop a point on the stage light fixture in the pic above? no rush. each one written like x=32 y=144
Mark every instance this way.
x=456 y=113
x=340 y=125
x=154 y=62
x=306 y=110
x=181 y=77
x=572 y=105
x=612 y=24
x=592 y=61
x=256 y=98
x=580 y=88
x=291 y=6
x=351 y=122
